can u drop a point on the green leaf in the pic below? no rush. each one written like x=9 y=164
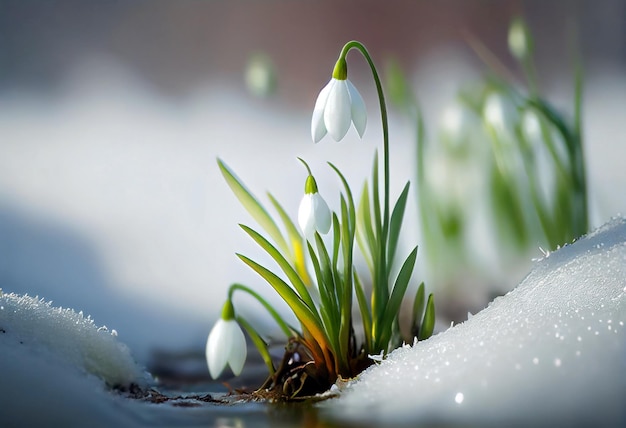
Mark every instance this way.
x=351 y=209
x=309 y=320
x=260 y=344
x=395 y=225
x=253 y=206
x=376 y=198
x=291 y=273
x=392 y=307
x=364 y=230
x=366 y=316
x=428 y=324
x=296 y=241
x=418 y=307
x=336 y=240
x=328 y=280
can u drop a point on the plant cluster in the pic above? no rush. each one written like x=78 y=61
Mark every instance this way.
x=504 y=155
x=318 y=279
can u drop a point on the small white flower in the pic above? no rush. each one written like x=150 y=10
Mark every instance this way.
x=313 y=215
x=500 y=114
x=226 y=345
x=338 y=104
x=520 y=41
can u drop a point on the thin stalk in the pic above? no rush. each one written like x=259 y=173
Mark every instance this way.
x=260 y=344
x=286 y=328
x=382 y=273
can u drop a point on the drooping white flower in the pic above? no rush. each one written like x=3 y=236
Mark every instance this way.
x=520 y=40
x=338 y=105
x=500 y=114
x=226 y=344
x=313 y=214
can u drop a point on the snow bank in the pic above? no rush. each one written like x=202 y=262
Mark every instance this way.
x=552 y=351
x=32 y=326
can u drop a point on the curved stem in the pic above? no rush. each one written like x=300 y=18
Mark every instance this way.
x=383 y=113
x=381 y=280
x=259 y=343
x=286 y=328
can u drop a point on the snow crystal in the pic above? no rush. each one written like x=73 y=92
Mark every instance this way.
x=29 y=325
x=550 y=351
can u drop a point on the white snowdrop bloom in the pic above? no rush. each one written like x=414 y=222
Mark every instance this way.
x=500 y=113
x=226 y=345
x=313 y=215
x=457 y=126
x=520 y=41
x=338 y=105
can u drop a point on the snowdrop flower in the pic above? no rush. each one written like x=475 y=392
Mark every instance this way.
x=500 y=114
x=520 y=41
x=338 y=105
x=226 y=344
x=313 y=214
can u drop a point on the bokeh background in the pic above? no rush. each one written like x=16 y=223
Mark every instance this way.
x=112 y=115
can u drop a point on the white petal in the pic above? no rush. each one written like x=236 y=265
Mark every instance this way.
x=337 y=113
x=318 y=129
x=237 y=348
x=216 y=356
x=306 y=216
x=359 y=114
x=322 y=214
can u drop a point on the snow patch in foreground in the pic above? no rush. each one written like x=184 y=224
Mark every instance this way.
x=553 y=350
x=31 y=326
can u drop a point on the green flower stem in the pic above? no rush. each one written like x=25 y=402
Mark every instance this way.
x=381 y=280
x=260 y=344
x=286 y=328
x=383 y=113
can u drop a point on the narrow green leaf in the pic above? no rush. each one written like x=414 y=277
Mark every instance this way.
x=291 y=273
x=253 y=206
x=418 y=306
x=376 y=198
x=296 y=240
x=351 y=211
x=395 y=225
x=336 y=240
x=428 y=324
x=366 y=316
x=260 y=344
x=310 y=321
x=364 y=230
x=328 y=281
x=393 y=304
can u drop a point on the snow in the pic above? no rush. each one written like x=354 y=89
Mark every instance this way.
x=552 y=351
x=549 y=352
x=32 y=327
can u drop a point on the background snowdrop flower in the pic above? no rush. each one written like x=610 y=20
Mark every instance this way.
x=313 y=214
x=337 y=106
x=226 y=344
x=500 y=114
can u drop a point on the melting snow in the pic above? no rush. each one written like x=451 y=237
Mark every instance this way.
x=29 y=325
x=553 y=350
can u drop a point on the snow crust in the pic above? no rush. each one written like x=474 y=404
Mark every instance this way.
x=552 y=351
x=30 y=326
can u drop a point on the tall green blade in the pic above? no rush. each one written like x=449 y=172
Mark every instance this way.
x=395 y=225
x=253 y=206
x=291 y=273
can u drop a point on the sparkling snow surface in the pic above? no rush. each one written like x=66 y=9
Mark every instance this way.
x=32 y=327
x=553 y=350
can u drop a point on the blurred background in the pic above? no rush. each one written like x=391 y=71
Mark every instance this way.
x=112 y=115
